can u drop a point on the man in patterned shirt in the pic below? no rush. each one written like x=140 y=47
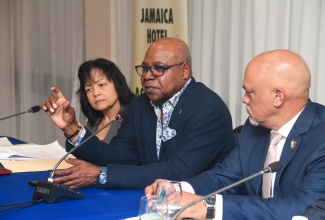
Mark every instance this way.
x=175 y=130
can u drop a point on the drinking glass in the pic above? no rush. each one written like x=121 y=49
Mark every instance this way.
x=147 y=210
x=169 y=198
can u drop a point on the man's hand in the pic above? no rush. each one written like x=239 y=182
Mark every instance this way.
x=59 y=110
x=151 y=189
x=196 y=211
x=80 y=175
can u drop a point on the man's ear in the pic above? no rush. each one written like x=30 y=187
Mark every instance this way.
x=186 y=69
x=279 y=97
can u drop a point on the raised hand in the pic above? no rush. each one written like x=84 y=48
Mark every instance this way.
x=58 y=108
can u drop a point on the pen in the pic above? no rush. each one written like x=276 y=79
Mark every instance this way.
x=162 y=195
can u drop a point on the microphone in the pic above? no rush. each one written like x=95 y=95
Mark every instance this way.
x=271 y=168
x=55 y=192
x=33 y=109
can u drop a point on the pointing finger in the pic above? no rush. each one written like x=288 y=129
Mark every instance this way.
x=58 y=92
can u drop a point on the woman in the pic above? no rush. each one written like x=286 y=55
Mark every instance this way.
x=103 y=92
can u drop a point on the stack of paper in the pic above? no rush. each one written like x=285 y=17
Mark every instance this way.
x=4 y=141
x=31 y=151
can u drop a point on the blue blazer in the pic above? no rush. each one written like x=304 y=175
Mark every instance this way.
x=316 y=210
x=300 y=181
x=204 y=137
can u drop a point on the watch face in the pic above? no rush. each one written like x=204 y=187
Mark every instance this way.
x=102 y=178
x=211 y=200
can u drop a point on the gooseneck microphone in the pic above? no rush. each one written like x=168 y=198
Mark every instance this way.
x=33 y=109
x=54 y=192
x=271 y=168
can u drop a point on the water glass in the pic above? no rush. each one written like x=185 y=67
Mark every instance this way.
x=147 y=210
x=169 y=198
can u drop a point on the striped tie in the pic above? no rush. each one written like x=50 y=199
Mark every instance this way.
x=270 y=158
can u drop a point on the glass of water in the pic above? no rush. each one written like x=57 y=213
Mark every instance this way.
x=168 y=198
x=147 y=210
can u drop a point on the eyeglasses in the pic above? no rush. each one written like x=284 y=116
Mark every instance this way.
x=155 y=70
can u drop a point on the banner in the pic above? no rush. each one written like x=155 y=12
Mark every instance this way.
x=154 y=19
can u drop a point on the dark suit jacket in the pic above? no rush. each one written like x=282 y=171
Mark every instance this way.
x=316 y=210
x=204 y=136
x=297 y=184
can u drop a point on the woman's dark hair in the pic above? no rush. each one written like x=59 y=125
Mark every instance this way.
x=113 y=74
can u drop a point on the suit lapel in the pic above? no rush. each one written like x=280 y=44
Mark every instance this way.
x=150 y=130
x=289 y=149
x=293 y=141
x=180 y=106
x=176 y=116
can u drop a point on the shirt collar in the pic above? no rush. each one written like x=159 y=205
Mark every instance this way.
x=286 y=128
x=174 y=99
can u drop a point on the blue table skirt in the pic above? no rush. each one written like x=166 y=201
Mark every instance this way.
x=97 y=204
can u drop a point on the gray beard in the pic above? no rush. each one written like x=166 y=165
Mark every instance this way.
x=253 y=121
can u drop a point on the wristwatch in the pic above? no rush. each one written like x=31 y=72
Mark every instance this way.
x=102 y=177
x=210 y=203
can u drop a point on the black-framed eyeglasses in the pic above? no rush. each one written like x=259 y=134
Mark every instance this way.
x=155 y=70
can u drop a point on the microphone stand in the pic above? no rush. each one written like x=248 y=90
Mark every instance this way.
x=54 y=192
x=273 y=167
x=31 y=110
x=50 y=179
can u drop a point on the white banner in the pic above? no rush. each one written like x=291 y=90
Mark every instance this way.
x=154 y=19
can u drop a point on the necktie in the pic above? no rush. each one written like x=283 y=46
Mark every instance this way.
x=270 y=158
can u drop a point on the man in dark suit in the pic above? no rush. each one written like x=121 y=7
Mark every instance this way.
x=276 y=85
x=316 y=210
x=176 y=129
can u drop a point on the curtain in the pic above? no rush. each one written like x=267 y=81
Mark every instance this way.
x=225 y=35
x=42 y=44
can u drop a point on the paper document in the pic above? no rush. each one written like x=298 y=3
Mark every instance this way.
x=31 y=151
x=4 y=141
x=33 y=165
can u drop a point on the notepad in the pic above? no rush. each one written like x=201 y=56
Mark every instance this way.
x=31 y=151
x=17 y=166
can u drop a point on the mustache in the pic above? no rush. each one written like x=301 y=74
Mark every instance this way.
x=251 y=118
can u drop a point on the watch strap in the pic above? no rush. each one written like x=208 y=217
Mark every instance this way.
x=210 y=213
x=103 y=169
x=210 y=203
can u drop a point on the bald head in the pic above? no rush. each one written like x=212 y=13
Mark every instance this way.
x=169 y=61
x=277 y=87
x=179 y=48
x=284 y=68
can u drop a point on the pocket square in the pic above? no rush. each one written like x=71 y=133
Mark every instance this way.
x=168 y=134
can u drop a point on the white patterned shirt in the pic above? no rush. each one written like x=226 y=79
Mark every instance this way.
x=163 y=132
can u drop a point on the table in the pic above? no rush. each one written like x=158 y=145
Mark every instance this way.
x=97 y=204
